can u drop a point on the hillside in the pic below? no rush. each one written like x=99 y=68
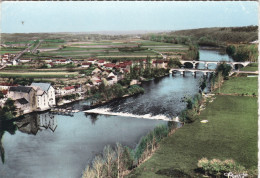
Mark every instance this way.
x=224 y=35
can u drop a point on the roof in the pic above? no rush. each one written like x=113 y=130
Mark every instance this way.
x=21 y=89
x=61 y=60
x=6 y=84
x=101 y=61
x=40 y=92
x=22 y=101
x=110 y=65
x=43 y=86
x=69 y=87
x=86 y=63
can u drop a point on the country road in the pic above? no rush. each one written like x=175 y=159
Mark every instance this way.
x=34 y=50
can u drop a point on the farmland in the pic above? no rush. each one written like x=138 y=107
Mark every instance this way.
x=108 y=49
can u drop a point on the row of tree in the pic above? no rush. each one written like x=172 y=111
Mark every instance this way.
x=118 y=161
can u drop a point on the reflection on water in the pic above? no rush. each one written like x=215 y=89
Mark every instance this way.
x=93 y=117
x=32 y=123
x=36 y=151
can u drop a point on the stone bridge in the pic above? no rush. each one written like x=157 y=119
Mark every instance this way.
x=206 y=63
x=193 y=71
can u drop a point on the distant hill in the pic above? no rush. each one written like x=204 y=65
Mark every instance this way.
x=227 y=34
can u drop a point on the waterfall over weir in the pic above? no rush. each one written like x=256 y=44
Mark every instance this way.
x=106 y=111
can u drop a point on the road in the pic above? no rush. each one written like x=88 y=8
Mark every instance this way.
x=34 y=50
x=21 y=53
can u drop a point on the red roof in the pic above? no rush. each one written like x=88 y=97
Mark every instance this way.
x=98 y=81
x=69 y=87
x=61 y=60
x=122 y=65
x=7 y=84
x=101 y=61
x=91 y=59
x=110 y=65
x=86 y=63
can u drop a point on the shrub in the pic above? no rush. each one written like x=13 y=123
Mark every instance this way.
x=216 y=167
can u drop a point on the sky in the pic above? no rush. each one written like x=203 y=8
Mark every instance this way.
x=92 y=16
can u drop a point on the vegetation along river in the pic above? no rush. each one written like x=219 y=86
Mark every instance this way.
x=49 y=145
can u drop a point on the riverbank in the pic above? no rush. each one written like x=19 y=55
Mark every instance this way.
x=230 y=133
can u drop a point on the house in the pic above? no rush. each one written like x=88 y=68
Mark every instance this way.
x=62 y=61
x=96 y=80
x=66 y=90
x=69 y=89
x=25 y=60
x=22 y=105
x=86 y=64
x=111 y=78
x=104 y=74
x=101 y=62
x=92 y=61
x=6 y=86
x=109 y=66
x=48 y=60
x=28 y=93
x=50 y=91
x=41 y=99
x=96 y=71
x=159 y=64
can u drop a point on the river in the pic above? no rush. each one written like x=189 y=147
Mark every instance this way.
x=48 y=145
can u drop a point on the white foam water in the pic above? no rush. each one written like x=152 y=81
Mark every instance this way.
x=106 y=111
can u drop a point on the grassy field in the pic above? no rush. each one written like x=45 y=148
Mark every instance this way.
x=251 y=67
x=231 y=133
x=240 y=85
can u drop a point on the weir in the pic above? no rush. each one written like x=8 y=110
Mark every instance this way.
x=106 y=111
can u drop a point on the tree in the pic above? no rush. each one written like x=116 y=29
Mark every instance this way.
x=9 y=106
x=224 y=69
x=171 y=63
x=118 y=90
x=98 y=164
x=119 y=152
x=231 y=50
x=109 y=157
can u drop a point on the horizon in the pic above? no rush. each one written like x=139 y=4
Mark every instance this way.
x=88 y=17
x=125 y=32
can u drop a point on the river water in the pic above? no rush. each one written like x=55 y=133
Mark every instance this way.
x=48 y=145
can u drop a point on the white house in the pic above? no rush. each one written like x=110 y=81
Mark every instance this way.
x=24 y=60
x=86 y=64
x=112 y=78
x=96 y=71
x=49 y=90
x=41 y=99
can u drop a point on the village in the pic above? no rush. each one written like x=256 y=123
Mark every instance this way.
x=41 y=96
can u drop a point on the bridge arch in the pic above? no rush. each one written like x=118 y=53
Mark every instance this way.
x=188 y=65
x=238 y=65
